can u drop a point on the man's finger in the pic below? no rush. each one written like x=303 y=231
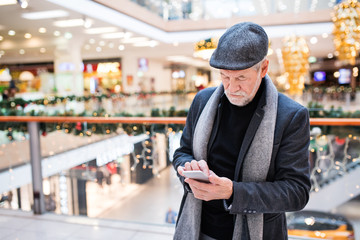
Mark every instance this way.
x=195 y=165
x=204 y=167
x=187 y=166
x=180 y=170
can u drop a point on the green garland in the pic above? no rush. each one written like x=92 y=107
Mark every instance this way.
x=87 y=129
x=57 y=99
x=316 y=110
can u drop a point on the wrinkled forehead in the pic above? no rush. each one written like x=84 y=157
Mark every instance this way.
x=237 y=73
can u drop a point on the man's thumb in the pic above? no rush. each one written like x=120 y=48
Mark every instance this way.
x=213 y=177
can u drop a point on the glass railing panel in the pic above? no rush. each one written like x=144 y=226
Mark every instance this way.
x=15 y=178
x=333 y=152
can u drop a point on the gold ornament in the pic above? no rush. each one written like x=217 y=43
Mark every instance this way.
x=205 y=48
x=295 y=54
x=347 y=30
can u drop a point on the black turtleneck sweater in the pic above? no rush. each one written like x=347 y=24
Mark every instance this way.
x=232 y=122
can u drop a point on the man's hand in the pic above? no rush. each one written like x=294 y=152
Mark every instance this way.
x=194 y=165
x=218 y=188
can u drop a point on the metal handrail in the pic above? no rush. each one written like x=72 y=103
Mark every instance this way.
x=158 y=120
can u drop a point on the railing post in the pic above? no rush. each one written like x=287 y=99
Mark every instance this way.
x=36 y=172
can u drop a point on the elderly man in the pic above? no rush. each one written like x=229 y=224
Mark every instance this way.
x=250 y=140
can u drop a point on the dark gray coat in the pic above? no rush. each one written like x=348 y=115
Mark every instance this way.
x=288 y=185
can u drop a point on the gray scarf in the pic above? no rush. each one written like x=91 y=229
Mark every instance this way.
x=255 y=167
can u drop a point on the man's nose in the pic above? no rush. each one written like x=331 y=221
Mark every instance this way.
x=233 y=86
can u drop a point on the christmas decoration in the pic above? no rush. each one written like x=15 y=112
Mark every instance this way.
x=347 y=30
x=295 y=53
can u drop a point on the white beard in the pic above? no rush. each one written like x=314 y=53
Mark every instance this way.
x=245 y=98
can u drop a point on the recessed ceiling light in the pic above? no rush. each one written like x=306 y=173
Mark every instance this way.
x=330 y=55
x=313 y=40
x=135 y=40
x=111 y=45
x=151 y=43
x=88 y=23
x=42 y=30
x=128 y=35
x=22 y=51
x=98 y=49
x=1 y=38
x=45 y=14
x=69 y=23
x=87 y=46
x=7 y=2
x=23 y=3
x=102 y=43
x=68 y=35
x=11 y=32
x=42 y=50
x=2 y=52
x=325 y=35
x=100 y=30
x=57 y=33
x=113 y=35
x=27 y=35
x=121 y=47
x=92 y=41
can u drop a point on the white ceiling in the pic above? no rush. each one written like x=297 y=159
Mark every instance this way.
x=169 y=43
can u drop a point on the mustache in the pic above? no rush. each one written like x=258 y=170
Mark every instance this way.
x=235 y=93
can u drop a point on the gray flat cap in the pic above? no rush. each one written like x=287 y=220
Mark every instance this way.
x=240 y=47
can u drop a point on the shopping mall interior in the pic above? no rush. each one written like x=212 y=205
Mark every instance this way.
x=95 y=94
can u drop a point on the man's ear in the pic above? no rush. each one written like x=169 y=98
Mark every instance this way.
x=264 y=68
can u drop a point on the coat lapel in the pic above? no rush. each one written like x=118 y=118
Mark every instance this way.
x=249 y=135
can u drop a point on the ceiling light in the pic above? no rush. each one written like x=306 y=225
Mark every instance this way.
x=135 y=40
x=42 y=50
x=23 y=3
x=113 y=35
x=22 y=51
x=88 y=23
x=57 y=33
x=87 y=46
x=111 y=45
x=92 y=41
x=312 y=59
x=26 y=76
x=121 y=47
x=68 y=35
x=313 y=40
x=128 y=35
x=98 y=49
x=7 y=2
x=100 y=30
x=2 y=52
x=330 y=55
x=27 y=35
x=11 y=32
x=69 y=23
x=102 y=43
x=1 y=38
x=45 y=14
x=42 y=30
x=152 y=43
x=325 y=35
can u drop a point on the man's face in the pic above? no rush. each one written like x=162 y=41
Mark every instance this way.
x=241 y=85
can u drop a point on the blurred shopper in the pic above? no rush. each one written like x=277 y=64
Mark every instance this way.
x=250 y=140
x=170 y=216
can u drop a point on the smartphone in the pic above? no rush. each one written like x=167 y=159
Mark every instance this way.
x=197 y=175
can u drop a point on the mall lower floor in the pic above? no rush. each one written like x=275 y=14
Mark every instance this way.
x=138 y=215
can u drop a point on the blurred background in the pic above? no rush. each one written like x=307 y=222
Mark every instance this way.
x=94 y=95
